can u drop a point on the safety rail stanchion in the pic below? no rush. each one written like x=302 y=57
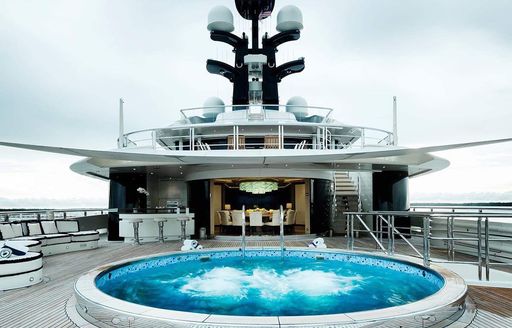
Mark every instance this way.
x=392 y=218
x=281 y=230
x=349 y=237
x=452 y=235
x=479 y=246
x=426 y=241
x=371 y=233
x=486 y=234
x=448 y=235
x=390 y=242
x=380 y=230
x=352 y=231
x=395 y=230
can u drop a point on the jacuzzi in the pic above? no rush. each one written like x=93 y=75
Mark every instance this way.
x=306 y=287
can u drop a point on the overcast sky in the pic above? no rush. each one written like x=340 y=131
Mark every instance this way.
x=64 y=64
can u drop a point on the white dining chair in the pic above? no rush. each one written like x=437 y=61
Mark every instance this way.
x=276 y=216
x=255 y=220
x=238 y=218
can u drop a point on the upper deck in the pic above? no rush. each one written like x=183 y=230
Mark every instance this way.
x=246 y=127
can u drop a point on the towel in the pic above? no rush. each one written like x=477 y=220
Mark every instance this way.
x=17 y=247
x=317 y=243
x=5 y=253
x=190 y=244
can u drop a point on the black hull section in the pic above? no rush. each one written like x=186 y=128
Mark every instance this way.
x=322 y=196
x=391 y=193
x=124 y=196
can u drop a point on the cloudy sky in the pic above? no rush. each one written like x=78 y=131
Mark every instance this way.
x=64 y=64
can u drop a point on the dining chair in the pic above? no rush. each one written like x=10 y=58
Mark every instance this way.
x=255 y=220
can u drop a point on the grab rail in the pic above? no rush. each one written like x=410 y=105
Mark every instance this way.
x=281 y=230
x=243 y=232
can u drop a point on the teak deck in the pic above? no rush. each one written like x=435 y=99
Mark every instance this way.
x=43 y=305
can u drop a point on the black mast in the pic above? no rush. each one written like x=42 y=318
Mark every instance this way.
x=255 y=10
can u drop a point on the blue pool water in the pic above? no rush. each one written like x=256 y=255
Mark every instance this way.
x=264 y=285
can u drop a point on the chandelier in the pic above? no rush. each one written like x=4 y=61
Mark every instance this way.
x=258 y=187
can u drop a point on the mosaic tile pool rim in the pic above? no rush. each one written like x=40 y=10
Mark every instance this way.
x=359 y=258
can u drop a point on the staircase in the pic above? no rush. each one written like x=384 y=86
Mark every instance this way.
x=346 y=200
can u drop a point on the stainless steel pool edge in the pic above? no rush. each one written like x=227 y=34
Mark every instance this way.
x=103 y=310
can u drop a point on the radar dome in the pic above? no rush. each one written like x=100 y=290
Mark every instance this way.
x=289 y=18
x=220 y=18
x=213 y=106
x=297 y=106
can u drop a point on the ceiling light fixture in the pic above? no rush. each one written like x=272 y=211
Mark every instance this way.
x=258 y=187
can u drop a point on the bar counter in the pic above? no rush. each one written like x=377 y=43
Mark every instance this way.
x=148 y=228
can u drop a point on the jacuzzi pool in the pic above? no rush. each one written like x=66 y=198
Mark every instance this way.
x=308 y=286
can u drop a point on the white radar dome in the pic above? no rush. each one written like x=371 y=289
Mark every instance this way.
x=289 y=18
x=297 y=106
x=220 y=18
x=212 y=107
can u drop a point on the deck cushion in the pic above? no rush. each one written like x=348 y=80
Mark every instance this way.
x=6 y=231
x=57 y=238
x=66 y=226
x=49 y=227
x=34 y=228
x=20 y=264
x=18 y=230
x=33 y=245
x=39 y=238
x=84 y=236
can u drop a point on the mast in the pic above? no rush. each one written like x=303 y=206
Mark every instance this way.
x=395 y=128
x=120 y=139
x=255 y=70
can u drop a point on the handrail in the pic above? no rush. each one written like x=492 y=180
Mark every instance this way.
x=263 y=106
x=37 y=214
x=466 y=207
x=243 y=232
x=281 y=230
x=336 y=135
x=483 y=237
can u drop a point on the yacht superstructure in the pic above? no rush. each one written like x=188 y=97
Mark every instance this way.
x=312 y=161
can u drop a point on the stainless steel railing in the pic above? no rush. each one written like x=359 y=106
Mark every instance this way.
x=281 y=230
x=323 y=135
x=50 y=214
x=466 y=229
x=244 y=243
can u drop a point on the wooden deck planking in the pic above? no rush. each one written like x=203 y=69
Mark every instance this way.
x=43 y=305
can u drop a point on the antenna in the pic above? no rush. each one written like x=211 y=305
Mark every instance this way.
x=395 y=133
x=120 y=139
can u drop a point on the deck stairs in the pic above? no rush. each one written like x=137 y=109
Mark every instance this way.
x=347 y=199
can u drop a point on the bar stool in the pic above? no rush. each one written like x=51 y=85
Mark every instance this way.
x=135 y=223
x=160 y=222
x=183 y=222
